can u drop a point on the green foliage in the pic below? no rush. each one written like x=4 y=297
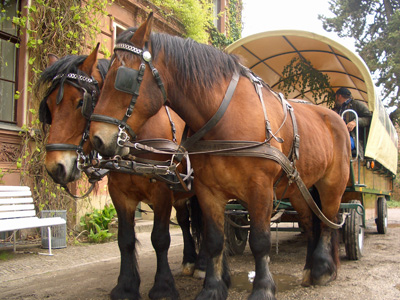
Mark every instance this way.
x=234 y=20
x=393 y=204
x=96 y=223
x=194 y=15
x=5 y=255
x=300 y=75
x=233 y=26
x=375 y=26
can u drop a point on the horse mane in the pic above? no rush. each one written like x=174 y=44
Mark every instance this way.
x=65 y=65
x=195 y=64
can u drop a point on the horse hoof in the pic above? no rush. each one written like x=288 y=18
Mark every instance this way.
x=188 y=269
x=324 y=279
x=306 y=278
x=199 y=274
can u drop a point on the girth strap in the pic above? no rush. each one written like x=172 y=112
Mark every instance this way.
x=263 y=150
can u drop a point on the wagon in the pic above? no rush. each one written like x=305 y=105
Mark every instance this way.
x=371 y=178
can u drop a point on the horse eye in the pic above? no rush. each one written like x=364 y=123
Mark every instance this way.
x=80 y=103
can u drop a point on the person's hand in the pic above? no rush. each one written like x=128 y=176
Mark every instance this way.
x=351 y=125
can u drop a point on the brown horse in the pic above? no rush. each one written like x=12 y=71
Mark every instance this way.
x=198 y=81
x=62 y=108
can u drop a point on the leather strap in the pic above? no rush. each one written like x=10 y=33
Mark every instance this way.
x=265 y=150
x=111 y=120
x=62 y=147
x=215 y=118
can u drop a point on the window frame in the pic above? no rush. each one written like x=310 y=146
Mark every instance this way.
x=15 y=39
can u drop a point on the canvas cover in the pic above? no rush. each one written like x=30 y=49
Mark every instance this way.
x=267 y=53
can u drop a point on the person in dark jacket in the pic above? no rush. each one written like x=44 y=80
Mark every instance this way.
x=343 y=101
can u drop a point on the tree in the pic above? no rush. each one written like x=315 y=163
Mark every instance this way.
x=375 y=26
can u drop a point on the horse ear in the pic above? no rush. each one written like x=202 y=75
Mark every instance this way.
x=142 y=34
x=90 y=63
x=52 y=59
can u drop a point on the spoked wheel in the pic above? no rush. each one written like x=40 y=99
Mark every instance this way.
x=236 y=238
x=382 y=219
x=354 y=234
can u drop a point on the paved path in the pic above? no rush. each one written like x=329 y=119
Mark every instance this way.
x=26 y=263
x=32 y=276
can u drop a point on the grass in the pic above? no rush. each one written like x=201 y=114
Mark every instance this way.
x=5 y=255
x=393 y=204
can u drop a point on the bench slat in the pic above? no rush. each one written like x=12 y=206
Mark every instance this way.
x=11 y=188
x=17 y=207
x=17 y=214
x=16 y=200
x=15 y=194
x=24 y=223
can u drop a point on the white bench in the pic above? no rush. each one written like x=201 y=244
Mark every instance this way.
x=17 y=211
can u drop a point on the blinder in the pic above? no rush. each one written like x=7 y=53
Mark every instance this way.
x=126 y=80
x=88 y=104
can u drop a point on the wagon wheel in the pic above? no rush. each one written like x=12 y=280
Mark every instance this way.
x=236 y=238
x=382 y=219
x=354 y=234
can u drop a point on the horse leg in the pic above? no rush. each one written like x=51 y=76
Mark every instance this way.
x=128 y=279
x=310 y=226
x=325 y=260
x=164 y=284
x=260 y=209
x=197 y=231
x=217 y=279
x=189 y=248
x=201 y=262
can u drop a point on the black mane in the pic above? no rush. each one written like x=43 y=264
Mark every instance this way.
x=65 y=65
x=193 y=62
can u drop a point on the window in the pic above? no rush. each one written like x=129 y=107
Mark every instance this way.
x=216 y=10
x=118 y=29
x=8 y=60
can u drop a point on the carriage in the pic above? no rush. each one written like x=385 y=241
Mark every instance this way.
x=370 y=184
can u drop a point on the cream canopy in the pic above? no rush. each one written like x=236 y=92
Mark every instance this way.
x=267 y=53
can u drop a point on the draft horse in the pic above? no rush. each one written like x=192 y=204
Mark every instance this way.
x=73 y=85
x=231 y=115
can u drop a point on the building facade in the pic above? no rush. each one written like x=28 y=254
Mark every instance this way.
x=16 y=70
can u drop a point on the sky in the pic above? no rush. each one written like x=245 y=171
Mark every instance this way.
x=265 y=15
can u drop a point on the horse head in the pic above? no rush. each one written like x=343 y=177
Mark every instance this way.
x=74 y=86
x=122 y=111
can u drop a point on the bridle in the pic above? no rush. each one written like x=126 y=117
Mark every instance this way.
x=89 y=102
x=128 y=80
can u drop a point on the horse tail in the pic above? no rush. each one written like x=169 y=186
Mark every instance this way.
x=196 y=220
x=316 y=222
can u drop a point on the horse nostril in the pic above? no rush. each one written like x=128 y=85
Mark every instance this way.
x=97 y=143
x=60 y=171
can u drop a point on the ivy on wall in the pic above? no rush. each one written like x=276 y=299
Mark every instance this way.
x=197 y=19
x=194 y=15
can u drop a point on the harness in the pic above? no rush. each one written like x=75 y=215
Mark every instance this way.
x=129 y=80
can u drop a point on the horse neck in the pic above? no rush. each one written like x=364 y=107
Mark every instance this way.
x=195 y=105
